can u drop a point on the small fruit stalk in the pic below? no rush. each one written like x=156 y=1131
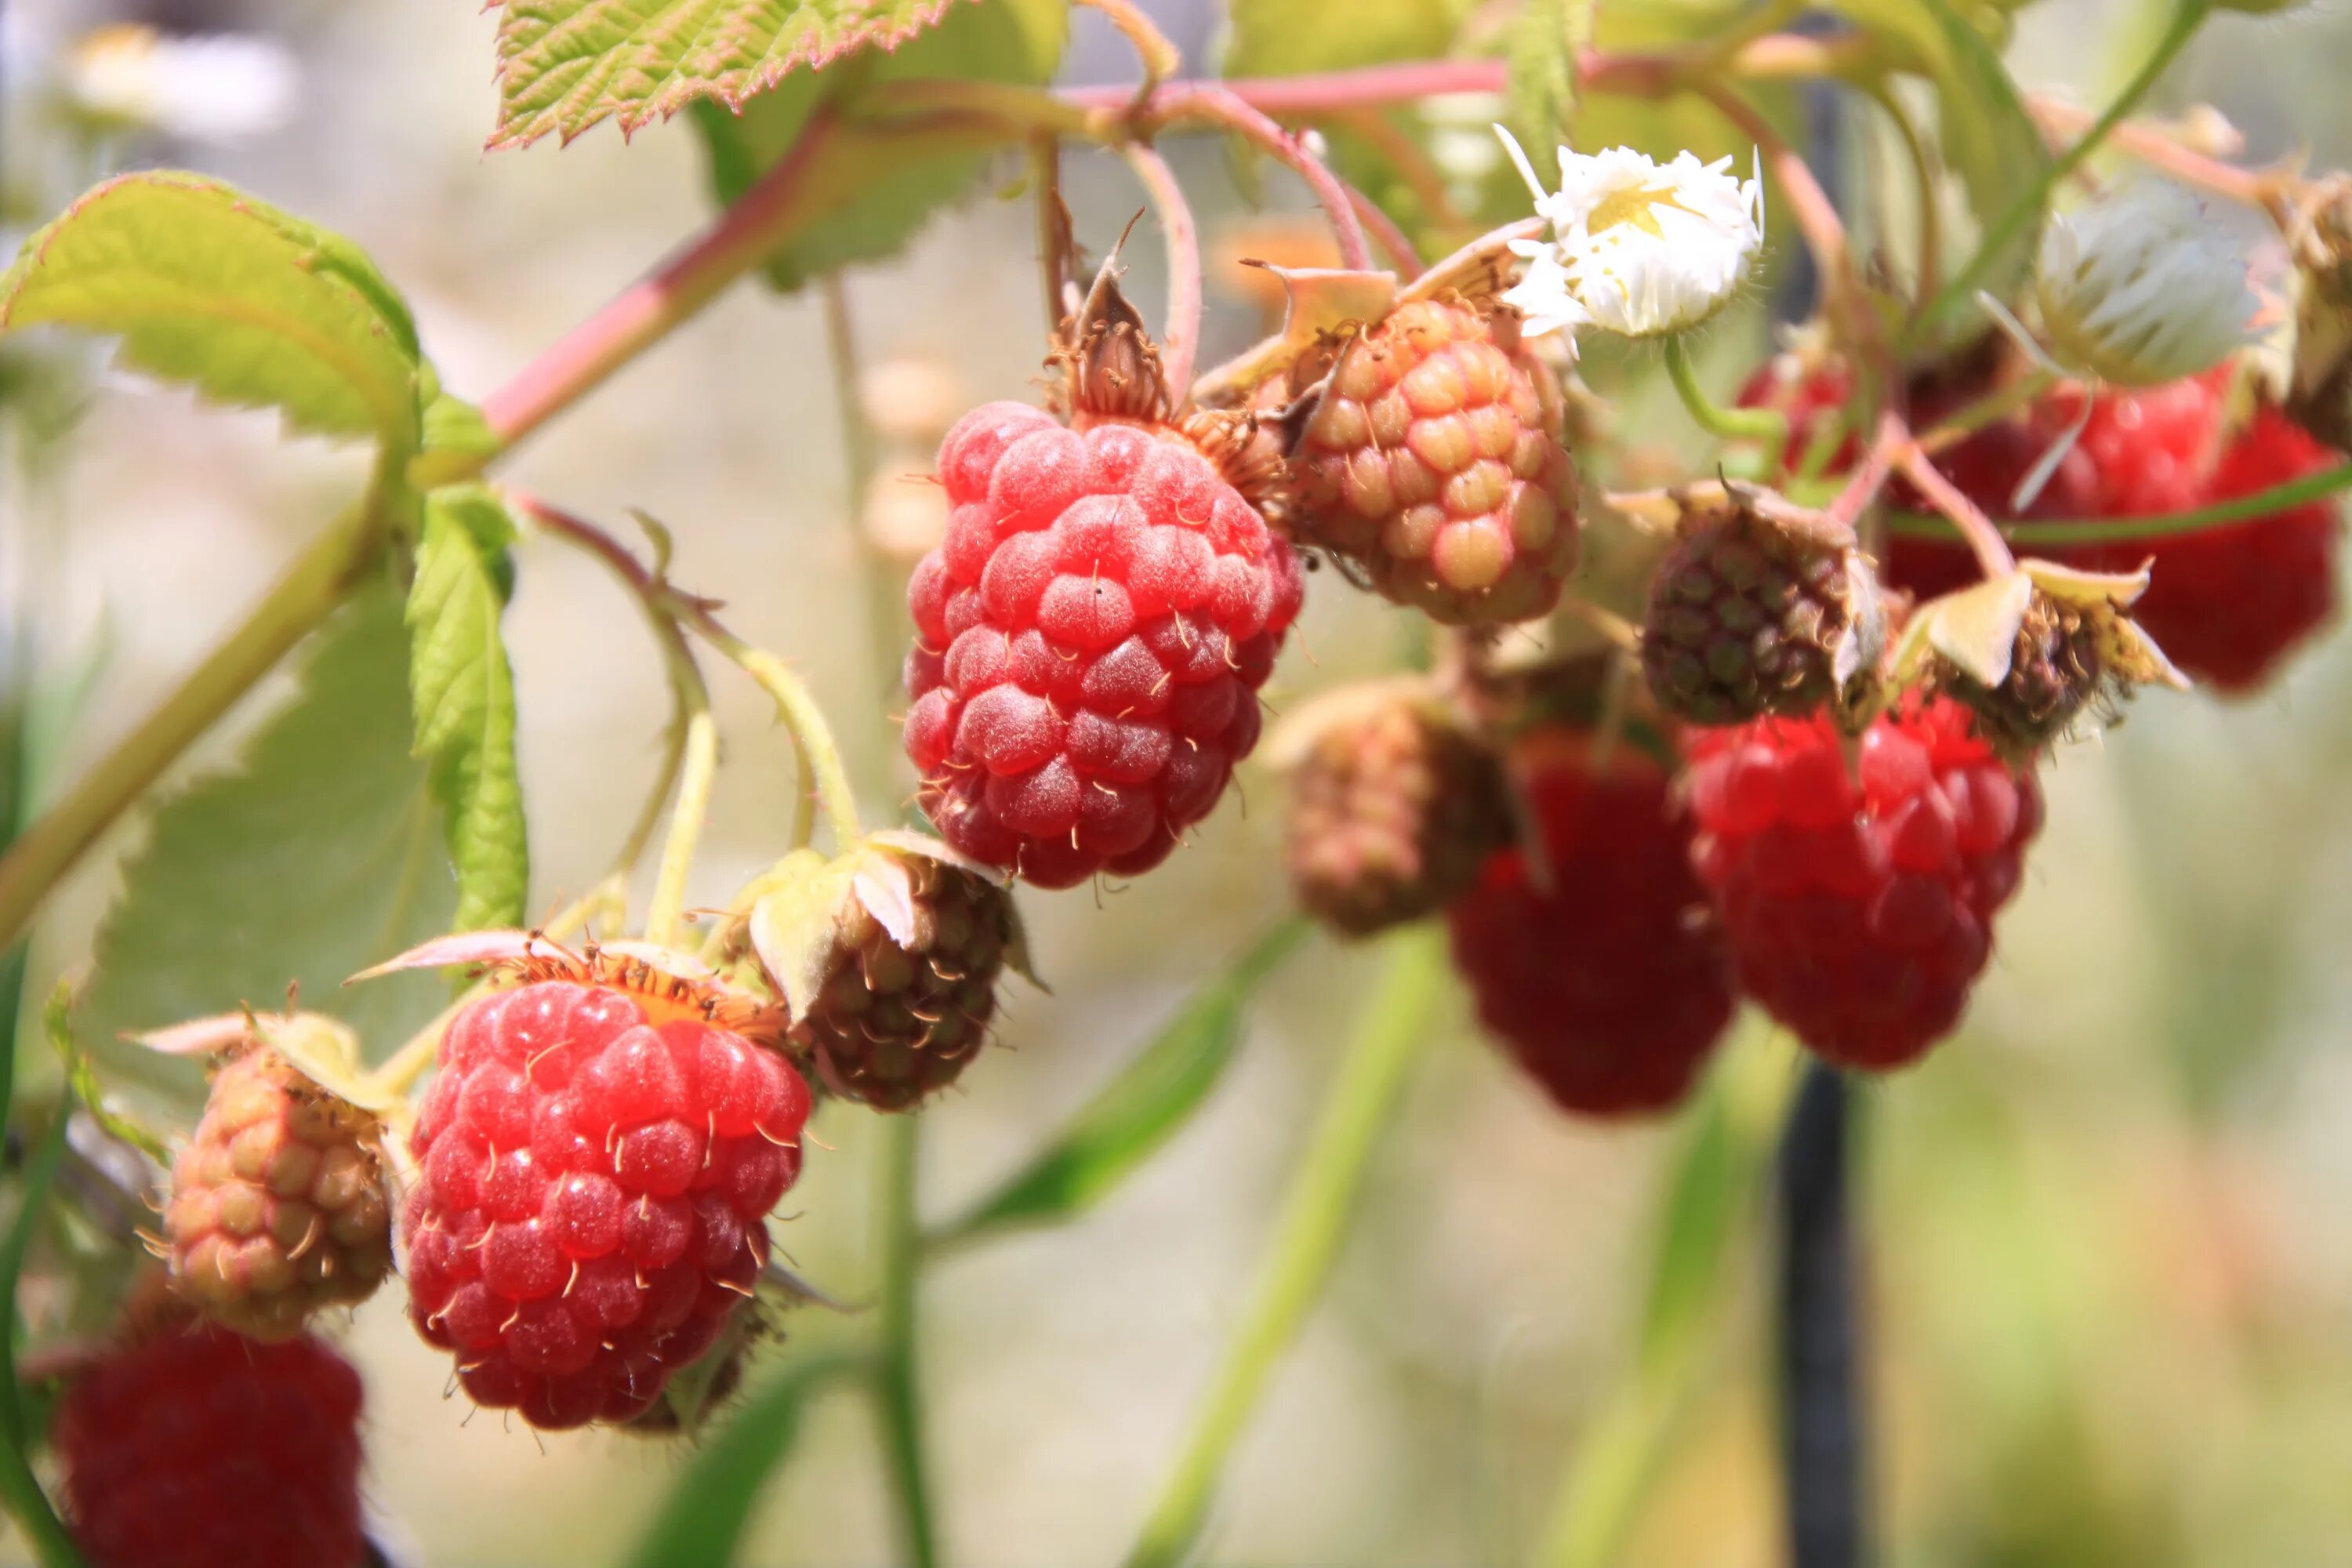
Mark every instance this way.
x=1588 y=948
x=187 y=1445
x=1393 y=803
x=1092 y=635
x=279 y=1203
x=1431 y=463
x=597 y=1160
x=888 y=958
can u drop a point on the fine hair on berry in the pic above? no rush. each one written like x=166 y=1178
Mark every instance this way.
x=596 y=1168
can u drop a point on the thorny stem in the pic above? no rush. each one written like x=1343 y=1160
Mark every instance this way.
x=2011 y=224
x=1324 y=1190
x=318 y=581
x=1181 y=338
x=1046 y=169
x=1991 y=551
x=898 y=1394
x=1215 y=104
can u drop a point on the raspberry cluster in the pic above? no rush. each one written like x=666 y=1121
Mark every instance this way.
x=279 y=1203
x=596 y=1170
x=1859 y=906
x=1595 y=963
x=1092 y=636
x=198 y=1448
x=1434 y=466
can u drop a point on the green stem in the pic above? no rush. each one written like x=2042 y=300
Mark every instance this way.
x=1769 y=425
x=898 y=1400
x=302 y=599
x=668 y=906
x=2128 y=529
x=812 y=736
x=2011 y=224
x=1390 y=1032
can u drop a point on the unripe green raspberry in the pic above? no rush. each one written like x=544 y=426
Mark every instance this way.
x=1751 y=614
x=1433 y=467
x=279 y=1203
x=1393 y=806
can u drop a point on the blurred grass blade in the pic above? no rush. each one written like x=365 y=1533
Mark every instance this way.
x=702 y=1522
x=26 y=1503
x=1390 y=1031
x=1138 y=1111
x=1716 y=1181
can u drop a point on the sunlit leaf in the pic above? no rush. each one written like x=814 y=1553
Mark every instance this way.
x=208 y=287
x=316 y=855
x=463 y=688
x=1138 y=1111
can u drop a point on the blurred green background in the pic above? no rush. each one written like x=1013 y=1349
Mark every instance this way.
x=2109 y=1227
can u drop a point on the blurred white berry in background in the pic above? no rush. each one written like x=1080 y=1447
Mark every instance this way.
x=225 y=87
x=2141 y=286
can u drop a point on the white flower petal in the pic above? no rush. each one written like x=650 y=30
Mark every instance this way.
x=2141 y=286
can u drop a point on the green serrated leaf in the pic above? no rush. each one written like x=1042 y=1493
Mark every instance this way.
x=1136 y=1111
x=1547 y=36
x=211 y=288
x=463 y=688
x=567 y=65
x=703 y=1518
x=1014 y=41
x=1985 y=134
x=317 y=856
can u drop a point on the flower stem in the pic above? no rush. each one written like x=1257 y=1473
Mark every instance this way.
x=1210 y=103
x=1769 y=425
x=1390 y=1032
x=2011 y=226
x=302 y=599
x=1991 y=551
x=897 y=1394
x=1179 y=339
x=797 y=705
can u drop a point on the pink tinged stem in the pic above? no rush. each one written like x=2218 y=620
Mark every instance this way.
x=1991 y=550
x=1180 y=341
x=1209 y=103
x=1384 y=230
x=643 y=312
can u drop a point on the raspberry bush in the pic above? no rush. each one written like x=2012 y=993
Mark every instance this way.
x=1672 y=713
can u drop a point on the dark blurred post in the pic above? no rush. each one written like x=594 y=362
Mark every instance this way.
x=1819 y=1335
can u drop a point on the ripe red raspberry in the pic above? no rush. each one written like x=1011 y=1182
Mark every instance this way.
x=194 y=1448
x=279 y=1203
x=1090 y=640
x=2228 y=605
x=1434 y=466
x=1597 y=971
x=1860 y=909
x=595 y=1166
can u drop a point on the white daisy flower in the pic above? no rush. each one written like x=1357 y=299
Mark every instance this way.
x=220 y=89
x=1637 y=247
x=2141 y=286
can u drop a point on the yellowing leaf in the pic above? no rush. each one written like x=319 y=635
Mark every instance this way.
x=211 y=288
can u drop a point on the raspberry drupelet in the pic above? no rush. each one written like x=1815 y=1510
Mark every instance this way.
x=195 y=1447
x=1859 y=906
x=1598 y=970
x=596 y=1163
x=1091 y=638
